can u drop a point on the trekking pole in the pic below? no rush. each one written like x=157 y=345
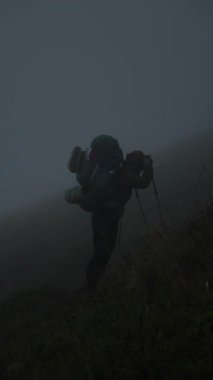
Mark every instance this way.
x=141 y=208
x=158 y=203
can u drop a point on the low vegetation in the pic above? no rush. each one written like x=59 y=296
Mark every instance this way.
x=152 y=318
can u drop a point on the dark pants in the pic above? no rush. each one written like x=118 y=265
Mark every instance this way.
x=105 y=230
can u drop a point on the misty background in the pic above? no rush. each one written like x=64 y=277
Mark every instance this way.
x=70 y=70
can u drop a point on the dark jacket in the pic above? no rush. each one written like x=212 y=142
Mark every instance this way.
x=127 y=179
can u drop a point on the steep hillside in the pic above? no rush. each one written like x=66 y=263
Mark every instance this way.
x=151 y=319
x=50 y=243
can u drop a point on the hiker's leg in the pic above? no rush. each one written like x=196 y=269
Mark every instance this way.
x=105 y=229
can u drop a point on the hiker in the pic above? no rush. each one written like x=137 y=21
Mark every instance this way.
x=107 y=181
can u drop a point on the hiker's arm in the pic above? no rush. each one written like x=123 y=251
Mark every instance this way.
x=142 y=182
x=133 y=179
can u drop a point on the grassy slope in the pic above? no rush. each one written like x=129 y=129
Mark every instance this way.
x=152 y=319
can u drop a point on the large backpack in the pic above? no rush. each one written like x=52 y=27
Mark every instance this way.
x=99 y=167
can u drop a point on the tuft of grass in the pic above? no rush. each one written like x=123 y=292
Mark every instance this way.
x=152 y=319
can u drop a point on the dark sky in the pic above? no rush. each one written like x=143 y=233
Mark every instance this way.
x=140 y=70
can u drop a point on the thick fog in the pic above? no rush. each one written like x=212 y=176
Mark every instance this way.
x=70 y=70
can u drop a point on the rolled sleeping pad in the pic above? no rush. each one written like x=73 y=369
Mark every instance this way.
x=74 y=195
